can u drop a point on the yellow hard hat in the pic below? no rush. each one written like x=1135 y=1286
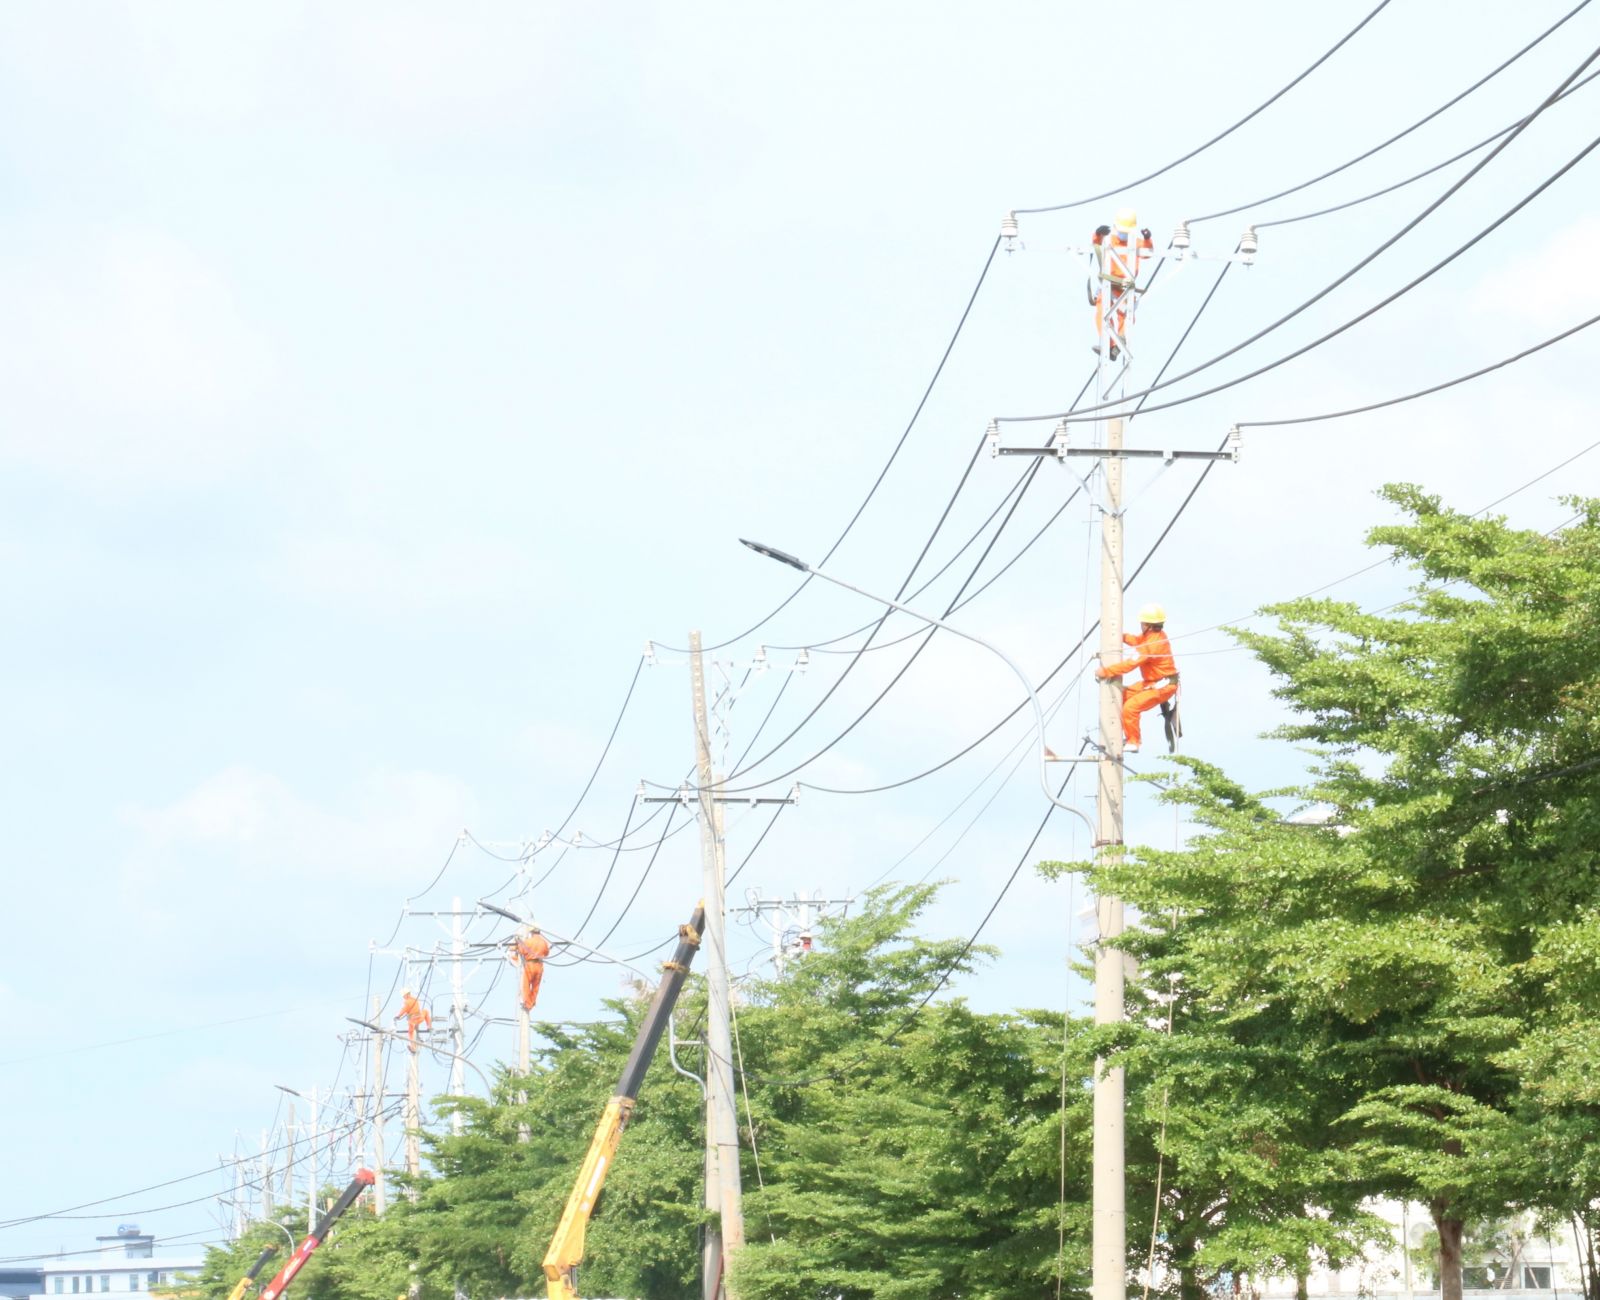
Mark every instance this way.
x=1127 y=219
x=1153 y=613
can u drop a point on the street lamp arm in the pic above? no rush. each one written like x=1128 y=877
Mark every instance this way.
x=784 y=557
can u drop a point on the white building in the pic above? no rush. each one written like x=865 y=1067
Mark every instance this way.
x=126 y=1261
x=1518 y=1263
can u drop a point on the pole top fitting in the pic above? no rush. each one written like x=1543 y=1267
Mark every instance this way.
x=1008 y=228
x=1247 y=246
x=1180 y=240
x=1235 y=442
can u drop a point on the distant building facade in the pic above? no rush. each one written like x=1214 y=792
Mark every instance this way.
x=124 y=1262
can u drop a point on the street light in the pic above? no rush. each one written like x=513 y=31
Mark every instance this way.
x=783 y=557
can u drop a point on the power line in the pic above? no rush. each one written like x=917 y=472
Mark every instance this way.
x=1221 y=135
x=888 y=464
x=1099 y=411
x=1413 y=179
x=1401 y=135
x=1424 y=392
x=957 y=602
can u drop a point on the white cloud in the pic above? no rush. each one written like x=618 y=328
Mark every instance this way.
x=399 y=572
x=1546 y=288
x=124 y=357
x=250 y=825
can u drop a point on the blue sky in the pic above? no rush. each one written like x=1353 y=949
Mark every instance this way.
x=380 y=379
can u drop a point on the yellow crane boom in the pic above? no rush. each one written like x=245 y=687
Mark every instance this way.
x=566 y=1247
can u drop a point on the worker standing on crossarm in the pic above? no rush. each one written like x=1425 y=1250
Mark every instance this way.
x=530 y=950
x=1119 y=252
x=414 y=1014
x=1158 y=678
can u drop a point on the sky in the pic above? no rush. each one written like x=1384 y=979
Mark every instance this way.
x=380 y=379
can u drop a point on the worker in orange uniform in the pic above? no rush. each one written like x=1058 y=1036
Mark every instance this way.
x=1118 y=253
x=530 y=949
x=1158 y=678
x=414 y=1014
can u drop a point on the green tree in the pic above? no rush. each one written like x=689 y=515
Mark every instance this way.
x=1420 y=957
x=908 y=1148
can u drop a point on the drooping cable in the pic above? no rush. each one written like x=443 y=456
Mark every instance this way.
x=1401 y=135
x=1101 y=410
x=1424 y=392
x=1221 y=135
x=1417 y=176
x=888 y=464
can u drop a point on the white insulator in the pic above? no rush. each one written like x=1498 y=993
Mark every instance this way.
x=1058 y=439
x=639 y=793
x=992 y=434
x=1008 y=226
x=1235 y=442
x=649 y=652
x=1247 y=246
x=802 y=661
x=1180 y=238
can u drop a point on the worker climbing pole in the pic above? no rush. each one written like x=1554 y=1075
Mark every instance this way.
x=1118 y=253
x=529 y=951
x=414 y=1014
x=1158 y=679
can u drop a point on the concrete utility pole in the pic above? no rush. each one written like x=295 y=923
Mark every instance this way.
x=288 y=1162
x=413 y=1122
x=311 y=1176
x=1109 y=1248
x=721 y=1122
x=380 y=1200
x=458 y=1015
x=264 y=1191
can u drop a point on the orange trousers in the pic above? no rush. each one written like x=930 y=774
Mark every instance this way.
x=532 y=976
x=1141 y=699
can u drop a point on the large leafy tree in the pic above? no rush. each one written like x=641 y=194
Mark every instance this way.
x=1421 y=957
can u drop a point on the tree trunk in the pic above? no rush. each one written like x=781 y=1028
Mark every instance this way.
x=1449 y=1255
x=1300 y=1290
x=1189 y=1287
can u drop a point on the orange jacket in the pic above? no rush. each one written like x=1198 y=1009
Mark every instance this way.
x=534 y=948
x=1120 y=254
x=1154 y=660
x=414 y=1013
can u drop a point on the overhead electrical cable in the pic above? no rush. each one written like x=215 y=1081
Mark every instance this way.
x=643 y=876
x=1401 y=135
x=888 y=464
x=1423 y=392
x=1413 y=179
x=578 y=933
x=956 y=602
x=1100 y=411
x=1221 y=135
x=911 y=1017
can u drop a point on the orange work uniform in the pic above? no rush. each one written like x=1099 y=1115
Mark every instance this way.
x=415 y=1015
x=531 y=950
x=1119 y=254
x=1158 y=678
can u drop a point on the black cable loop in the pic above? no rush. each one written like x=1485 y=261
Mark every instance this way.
x=1220 y=136
x=1103 y=411
x=1400 y=135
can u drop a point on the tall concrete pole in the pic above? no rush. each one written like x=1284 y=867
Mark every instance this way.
x=722 y=1132
x=413 y=1118
x=1109 y=1249
x=264 y=1196
x=379 y=1192
x=458 y=1015
x=312 y=1177
x=288 y=1162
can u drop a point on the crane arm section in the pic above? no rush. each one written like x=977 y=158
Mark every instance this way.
x=566 y=1247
